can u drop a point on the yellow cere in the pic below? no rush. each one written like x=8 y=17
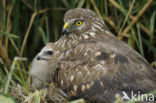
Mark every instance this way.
x=66 y=25
x=78 y=23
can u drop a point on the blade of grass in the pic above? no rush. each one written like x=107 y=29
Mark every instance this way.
x=47 y=29
x=42 y=35
x=87 y=4
x=37 y=97
x=21 y=75
x=151 y=27
x=127 y=15
x=11 y=72
x=9 y=34
x=133 y=36
x=140 y=41
x=81 y=3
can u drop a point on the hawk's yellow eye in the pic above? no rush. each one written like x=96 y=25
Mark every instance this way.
x=78 y=23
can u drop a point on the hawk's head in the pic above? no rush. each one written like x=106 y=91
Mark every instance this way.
x=79 y=21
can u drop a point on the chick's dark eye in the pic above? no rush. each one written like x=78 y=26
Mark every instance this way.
x=49 y=52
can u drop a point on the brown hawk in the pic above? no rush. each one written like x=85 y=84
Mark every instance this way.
x=94 y=64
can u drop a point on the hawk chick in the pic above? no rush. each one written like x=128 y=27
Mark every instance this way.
x=40 y=70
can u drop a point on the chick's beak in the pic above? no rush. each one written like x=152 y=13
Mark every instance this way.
x=38 y=58
x=65 y=28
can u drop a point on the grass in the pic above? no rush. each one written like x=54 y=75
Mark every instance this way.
x=27 y=25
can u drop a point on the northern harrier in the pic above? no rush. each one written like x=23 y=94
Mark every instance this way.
x=94 y=64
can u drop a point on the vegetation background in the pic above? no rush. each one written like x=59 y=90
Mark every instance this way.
x=27 y=25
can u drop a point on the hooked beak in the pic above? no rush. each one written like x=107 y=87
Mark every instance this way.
x=38 y=58
x=65 y=28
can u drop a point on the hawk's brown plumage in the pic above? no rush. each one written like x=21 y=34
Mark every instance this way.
x=96 y=70
x=95 y=65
